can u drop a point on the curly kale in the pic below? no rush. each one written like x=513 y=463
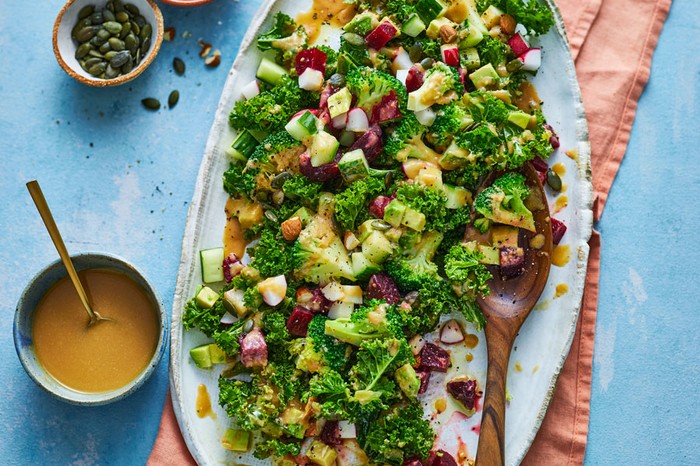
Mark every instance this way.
x=351 y=56
x=351 y=204
x=334 y=352
x=371 y=376
x=207 y=320
x=370 y=85
x=285 y=37
x=413 y=266
x=493 y=51
x=271 y=255
x=276 y=447
x=533 y=15
x=374 y=320
x=462 y=265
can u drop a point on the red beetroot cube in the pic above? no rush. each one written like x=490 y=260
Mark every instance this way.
x=558 y=230
x=298 y=322
x=440 y=458
x=371 y=144
x=386 y=110
x=322 y=173
x=381 y=35
x=433 y=358
x=424 y=379
x=377 y=206
x=382 y=286
x=464 y=391
x=311 y=58
x=541 y=167
x=414 y=80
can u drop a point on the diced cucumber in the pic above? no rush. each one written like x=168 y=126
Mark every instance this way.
x=394 y=212
x=362 y=267
x=243 y=146
x=393 y=234
x=484 y=76
x=236 y=440
x=340 y=310
x=353 y=166
x=362 y=23
x=457 y=196
x=413 y=219
x=413 y=26
x=206 y=298
x=473 y=37
x=339 y=102
x=304 y=214
x=475 y=20
x=430 y=9
x=471 y=58
x=212 y=265
x=519 y=118
x=491 y=16
x=201 y=356
x=491 y=255
x=270 y=72
x=364 y=230
x=303 y=126
x=433 y=30
x=323 y=148
x=377 y=248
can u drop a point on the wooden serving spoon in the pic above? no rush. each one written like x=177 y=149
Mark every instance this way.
x=505 y=309
x=45 y=212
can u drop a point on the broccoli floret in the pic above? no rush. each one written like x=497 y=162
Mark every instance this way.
x=279 y=152
x=533 y=15
x=482 y=142
x=463 y=267
x=285 y=37
x=450 y=120
x=376 y=319
x=414 y=266
x=271 y=110
x=334 y=352
x=441 y=85
x=406 y=141
x=428 y=200
x=237 y=182
x=351 y=204
x=502 y=202
x=275 y=329
x=370 y=85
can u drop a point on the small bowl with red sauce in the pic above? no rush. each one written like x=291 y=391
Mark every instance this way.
x=92 y=365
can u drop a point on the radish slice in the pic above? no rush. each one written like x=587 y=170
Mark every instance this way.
x=520 y=29
x=311 y=80
x=347 y=429
x=425 y=117
x=357 y=120
x=451 y=333
x=450 y=54
x=227 y=318
x=416 y=343
x=402 y=61
x=273 y=289
x=340 y=121
x=341 y=310
x=401 y=75
x=251 y=89
x=333 y=291
x=518 y=44
x=532 y=59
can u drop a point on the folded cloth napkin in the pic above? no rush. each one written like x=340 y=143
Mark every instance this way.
x=612 y=42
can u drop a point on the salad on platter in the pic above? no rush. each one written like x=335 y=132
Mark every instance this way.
x=343 y=303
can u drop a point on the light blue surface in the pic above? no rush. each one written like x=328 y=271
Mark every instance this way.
x=119 y=179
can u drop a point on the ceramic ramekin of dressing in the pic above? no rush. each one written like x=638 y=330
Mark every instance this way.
x=30 y=300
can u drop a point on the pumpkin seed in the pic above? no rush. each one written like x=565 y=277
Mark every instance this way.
x=126 y=29
x=135 y=28
x=95 y=53
x=278 y=181
x=92 y=61
x=380 y=225
x=103 y=34
x=116 y=44
x=86 y=33
x=131 y=43
x=96 y=18
x=122 y=16
x=86 y=11
x=104 y=48
x=553 y=180
x=179 y=66
x=173 y=98
x=119 y=59
x=97 y=69
x=81 y=24
x=131 y=8
x=108 y=15
x=270 y=215
x=83 y=50
x=145 y=46
x=109 y=55
x=126 y=69
x=111 y=73
x=150 y=103
x=145 y=32
x=118 y=6
x=113 y=27
x=141 y=21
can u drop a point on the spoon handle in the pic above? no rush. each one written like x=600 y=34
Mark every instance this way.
x=43 y=208
x=491 y=448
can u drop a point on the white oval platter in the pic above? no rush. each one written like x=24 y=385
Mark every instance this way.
x=543 y=343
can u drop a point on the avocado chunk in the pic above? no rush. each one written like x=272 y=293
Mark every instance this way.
x=519 y=118
x=236 y=440
x=413 y=219
x=408 y=380
x=217 y=355
x=201 y=356
x=377 y=248
x=394 y=212
x=206 y=298
x=484 y=76
x=321 y=454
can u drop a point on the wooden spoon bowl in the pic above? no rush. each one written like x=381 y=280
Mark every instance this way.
x=505 y=309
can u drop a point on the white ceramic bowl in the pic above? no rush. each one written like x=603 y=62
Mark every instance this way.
x=64 y=47
x=22 y=330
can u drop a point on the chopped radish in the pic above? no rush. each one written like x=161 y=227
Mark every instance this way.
x=414 y=80
x=416 y=343
x=347 y=429
x=313 y=111
x=425 y=117
x=357 y=120
x=340 y=310
x=451 y=333
x=532 y=59
x=520 y=29
x=340 y=121
x=333 y=291
x=251 y=89
x=353 y=294
x=450 y=54
x=518 y=44
x=310 y=58
x=311 y=80
x=234 y=299
x=273 y=289
x=402 y=61
x=227 y=318
x=381 y=35
x=401 y=75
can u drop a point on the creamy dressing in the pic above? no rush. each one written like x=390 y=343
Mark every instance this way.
x=561 y=255
x=561 y=290
x=203 y=403
x=332 y=12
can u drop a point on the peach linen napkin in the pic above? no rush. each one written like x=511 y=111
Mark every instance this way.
x=612 y=42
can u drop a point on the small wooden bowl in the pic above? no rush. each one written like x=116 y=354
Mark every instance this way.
x=64 y=46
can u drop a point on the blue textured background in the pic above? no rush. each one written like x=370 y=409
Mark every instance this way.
x=119 y=179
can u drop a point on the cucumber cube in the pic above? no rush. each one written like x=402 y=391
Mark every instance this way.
x=362 y=267
x=242 y=147
x=304 y=214
x=394 y=212
x=377 y=248
x=212 y=265
x=430 y=9
x=201 y=357
x=206 y=298
x=353 y=166
x=236 y=440
x=364 y=230
x=413 y=219
x=339 y=102
x=270 y=72
x=303 y=126
x=323 y=148
x=519 y=118
x=413 y=26
x=457 y=196
x=473 y=37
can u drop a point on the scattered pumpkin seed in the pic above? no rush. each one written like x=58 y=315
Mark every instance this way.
x=83 y=50
x=173 y=98
x=150 y=103
x=380 y=225
x=179 y=66
x=86 y=33
x=553 y=180
x=86 y=11
x=122 y=16
x=119 y=59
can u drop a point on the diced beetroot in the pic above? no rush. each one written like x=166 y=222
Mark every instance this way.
x=387 y=110
x=370 y=142
x=433 y=358
x=325 y=94
x=381 y=35
x=382 y=286
x=412 y=461
x=377 y=206
x=463 y=76
x=450 y=54
x=541 y=167
x=424 y=379
x=254 y=349
x=312 y=299
x=465 y=391
x=558 y=230
x=414 y=80
x=518 y=44
x=298 y=322
x=232 y=266
x=554 y=138
x=330 y=434
x=512 y=261
x=440 y=458
x=310 y=58
x=322 y=173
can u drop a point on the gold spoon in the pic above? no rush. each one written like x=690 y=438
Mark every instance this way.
x=45 y=212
